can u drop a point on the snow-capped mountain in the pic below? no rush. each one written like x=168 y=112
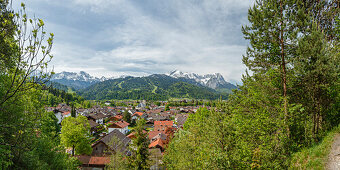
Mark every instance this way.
x=82 y=80
x=77 y=80
x=214 y=81
x=81 y=76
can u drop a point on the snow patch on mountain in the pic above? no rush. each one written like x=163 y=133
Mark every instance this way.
x=210 y=80
x=82 y=76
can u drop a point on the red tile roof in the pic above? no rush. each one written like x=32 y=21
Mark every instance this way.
x=66 y=113
x=118 y=117
x=157 y=142
x=99 y=160
x=138 y=113
x=166 y=123
x=119 y=124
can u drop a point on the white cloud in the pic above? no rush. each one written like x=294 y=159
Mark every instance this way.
x=111 y=37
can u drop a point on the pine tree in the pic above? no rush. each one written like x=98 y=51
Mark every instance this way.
x=271 y=35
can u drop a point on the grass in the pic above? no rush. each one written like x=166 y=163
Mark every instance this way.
x=120 y=84
x=154 y=90
x=69 y=90
x=315 y=157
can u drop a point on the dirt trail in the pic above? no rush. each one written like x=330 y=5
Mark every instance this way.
x=334 y=155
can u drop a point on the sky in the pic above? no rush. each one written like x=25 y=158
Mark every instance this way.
x=141 y=37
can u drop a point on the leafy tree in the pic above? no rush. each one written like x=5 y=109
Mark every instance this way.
x=118 y=160
x=75 y=133
x=271 y=37
x=28 y=136
x=127 y=116
x=139 y=148
x=167 y=107
x=73 y=111
x=200 y=145
x=294 y=89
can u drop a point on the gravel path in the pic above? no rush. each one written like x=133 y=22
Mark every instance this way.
x=334 y=155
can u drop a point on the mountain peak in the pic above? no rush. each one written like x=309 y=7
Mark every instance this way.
x=214 y=81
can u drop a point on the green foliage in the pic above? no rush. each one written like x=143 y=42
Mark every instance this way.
x=118 y=160
x=202 y=144
x=127 y=116
x=167 y=107
x=58 y=95
x=288 y=103
x=75 y=133
x=28 y=134
x=139 y=148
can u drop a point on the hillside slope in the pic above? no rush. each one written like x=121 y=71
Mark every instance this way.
x=154 y=87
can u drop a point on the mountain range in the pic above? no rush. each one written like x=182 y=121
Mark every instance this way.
x=153 y=87
x=214 y=81
x=76 y=81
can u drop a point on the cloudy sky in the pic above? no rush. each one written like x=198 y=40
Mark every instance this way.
x=141 y=37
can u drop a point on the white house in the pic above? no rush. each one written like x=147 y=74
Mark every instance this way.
x=121 y=125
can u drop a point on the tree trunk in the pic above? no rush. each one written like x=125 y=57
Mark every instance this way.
x=284 y=74
x=73 y=150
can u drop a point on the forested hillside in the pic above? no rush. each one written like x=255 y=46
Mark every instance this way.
x=289 y=102
x=154 y=87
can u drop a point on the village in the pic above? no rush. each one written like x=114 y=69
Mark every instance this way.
x=108 y=123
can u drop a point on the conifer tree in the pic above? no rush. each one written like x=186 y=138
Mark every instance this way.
x=270 y=35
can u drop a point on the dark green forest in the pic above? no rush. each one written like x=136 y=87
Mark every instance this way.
x=155 y=87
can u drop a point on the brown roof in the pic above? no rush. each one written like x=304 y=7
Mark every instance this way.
x=118 y=117
x=154 y=133
x=84 y=159
x=166 y=123
x=66 y=113
x=157 y=142
x=96 y=160
x=93 y=123
x=120 y=124
x=108 y=139
x=138 y=113
x=97 y=115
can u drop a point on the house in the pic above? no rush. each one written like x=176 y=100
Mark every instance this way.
x=93 y=162
x=141 y=105
x=58 y=115
x=66 y=114
x=107 y=103
x=152 y=134
x=162 y=125
x=116 y=118
x=180 y=119
x=138 y=115
x=161 y=136
x=121 y=125
x=98 y=117
x=93 y=126
x=157 y=144
x=113 y=142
